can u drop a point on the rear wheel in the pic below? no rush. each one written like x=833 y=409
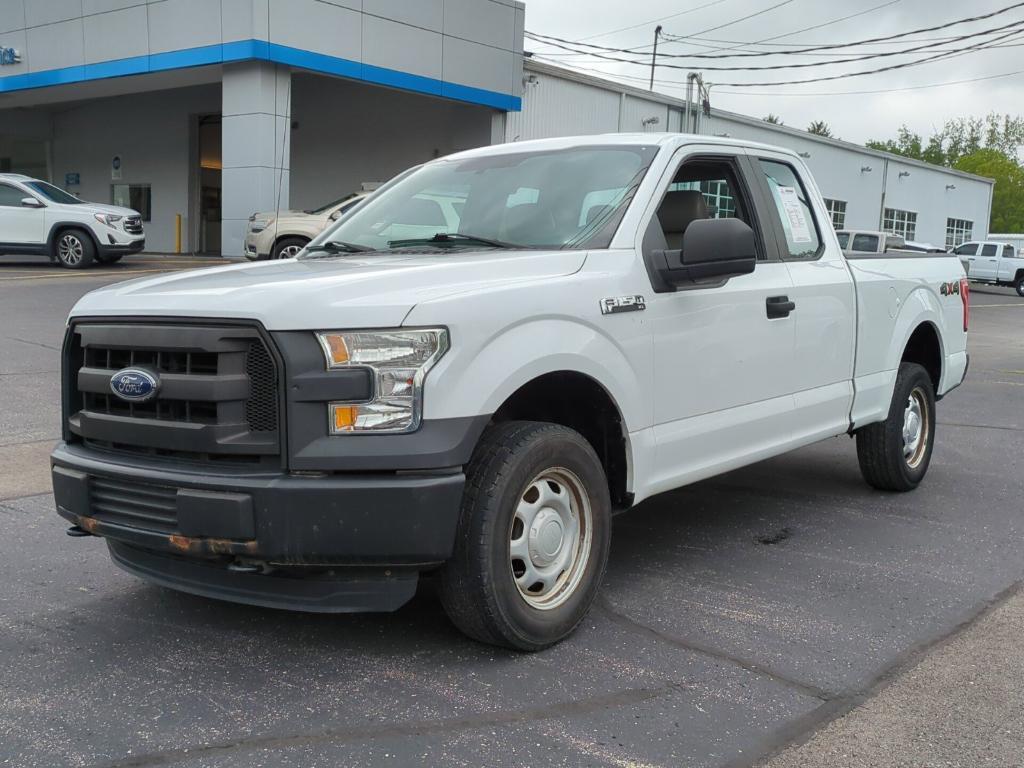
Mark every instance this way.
x=74 y=249
x=1019 y=286
x=288 y=247
x=894 y=454
x=533 y=537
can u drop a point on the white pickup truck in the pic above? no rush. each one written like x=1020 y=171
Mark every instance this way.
x=475 y=403
x=994 y=263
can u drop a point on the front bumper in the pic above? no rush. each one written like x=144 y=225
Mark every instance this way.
x=187 y=528
x=115 y=248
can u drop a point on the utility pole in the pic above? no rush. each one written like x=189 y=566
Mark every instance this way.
x=654 y=55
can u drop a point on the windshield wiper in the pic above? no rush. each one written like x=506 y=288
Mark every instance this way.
x=336 y=246
x=451 y=238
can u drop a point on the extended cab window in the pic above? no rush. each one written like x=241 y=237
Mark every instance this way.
x=989 y=249
x=865 y=243
x=701 y=189
x=794 y=209
x=1007 y=251
x=10 y=197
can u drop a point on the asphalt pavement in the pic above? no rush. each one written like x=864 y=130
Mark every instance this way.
x=782 y=612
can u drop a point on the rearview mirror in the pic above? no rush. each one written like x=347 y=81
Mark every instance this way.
x=30 y=202
x=713 y=250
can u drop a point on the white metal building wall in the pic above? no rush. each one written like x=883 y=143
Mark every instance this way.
x=561 y=103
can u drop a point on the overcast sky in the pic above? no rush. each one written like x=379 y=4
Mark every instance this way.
x=852 y=117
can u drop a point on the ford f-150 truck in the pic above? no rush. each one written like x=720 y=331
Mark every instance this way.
x=611 y=317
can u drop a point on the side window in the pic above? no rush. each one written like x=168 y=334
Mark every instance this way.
x=1007 y=251
x=865 y=243
x=11 y=197
x=794 y=209
x=703 y=188
x=989 y=249
x=844 y=239
x=967 y=249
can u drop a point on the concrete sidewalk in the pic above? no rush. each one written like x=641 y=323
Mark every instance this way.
x=962 y=705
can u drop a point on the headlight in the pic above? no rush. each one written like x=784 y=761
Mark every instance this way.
x=399 y=361
x=107 y=218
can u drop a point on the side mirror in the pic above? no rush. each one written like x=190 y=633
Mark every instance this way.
x=713 y=250
x=31 y=202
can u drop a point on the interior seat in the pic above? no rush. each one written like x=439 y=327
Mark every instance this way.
x=677 y=211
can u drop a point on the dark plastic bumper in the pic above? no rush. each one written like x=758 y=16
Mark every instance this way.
x=137 y=246
x=382 y=519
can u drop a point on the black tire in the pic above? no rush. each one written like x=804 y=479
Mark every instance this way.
x=1019 y=286
x=74 y=249
x=882 y=449
x=286 y=244
x=110 y=258
x=477 y=586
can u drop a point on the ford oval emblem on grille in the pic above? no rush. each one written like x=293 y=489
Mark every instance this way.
x=134 y=385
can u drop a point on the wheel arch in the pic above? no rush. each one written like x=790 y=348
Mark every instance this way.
x=62 y=226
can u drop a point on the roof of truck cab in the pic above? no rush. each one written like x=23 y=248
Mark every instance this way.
x=615 y=139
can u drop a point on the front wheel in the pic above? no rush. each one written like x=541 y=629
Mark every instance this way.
x=288 y=247
x=74 y=249
x=533 y=537
x=894 y=454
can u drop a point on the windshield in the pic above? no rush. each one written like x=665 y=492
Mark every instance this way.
x=52 y=193
x=569 y=198
x=332 y=204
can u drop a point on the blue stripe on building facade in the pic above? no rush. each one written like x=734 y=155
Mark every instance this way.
x=260 y=50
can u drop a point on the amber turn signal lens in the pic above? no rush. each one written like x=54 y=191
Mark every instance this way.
x=339 y=352
x=344 y=417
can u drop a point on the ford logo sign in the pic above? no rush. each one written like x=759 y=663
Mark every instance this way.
x=134 y=385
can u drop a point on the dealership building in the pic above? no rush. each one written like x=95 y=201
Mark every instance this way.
x=199 y=113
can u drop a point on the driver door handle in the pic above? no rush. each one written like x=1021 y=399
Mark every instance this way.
x=779 y=306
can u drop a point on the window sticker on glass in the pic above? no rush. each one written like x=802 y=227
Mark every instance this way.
x=798 y=226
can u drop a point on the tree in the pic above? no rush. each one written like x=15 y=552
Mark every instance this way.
x=1008 y=195
x=958 y=138
x=820 y=128
x=773 y=119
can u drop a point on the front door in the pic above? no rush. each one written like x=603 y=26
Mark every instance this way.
x=19 y=223
x=722 y=368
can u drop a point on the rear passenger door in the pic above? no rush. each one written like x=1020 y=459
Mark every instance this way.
x=985 y=266
x=722 y=362
x=823 y=291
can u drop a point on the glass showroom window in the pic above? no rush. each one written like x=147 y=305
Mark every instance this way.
x=138 y=197
x=958 y=231
x=902 y=223
x=836 y=212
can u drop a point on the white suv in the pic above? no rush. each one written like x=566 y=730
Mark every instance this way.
x=37 y=217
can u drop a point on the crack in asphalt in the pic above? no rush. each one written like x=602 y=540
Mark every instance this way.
x=628 y=622
x=34 y=343
x=556 y=711
x=980 y=426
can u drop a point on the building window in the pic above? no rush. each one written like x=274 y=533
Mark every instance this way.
x=958 y=231
x=837 y=212
x=138 y=197
x=902 y=223
x=717 y=194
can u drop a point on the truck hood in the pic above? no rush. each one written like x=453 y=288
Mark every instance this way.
x=338 y=292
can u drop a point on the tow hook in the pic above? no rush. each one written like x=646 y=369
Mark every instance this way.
x=77 y=532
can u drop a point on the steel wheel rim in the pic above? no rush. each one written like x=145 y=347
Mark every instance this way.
x=70 y=250
x=916 y=428
x=290 y=251
x=550 y=538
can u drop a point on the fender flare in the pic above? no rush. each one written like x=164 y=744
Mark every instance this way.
x=56 y=227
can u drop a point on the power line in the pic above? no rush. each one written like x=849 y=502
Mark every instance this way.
x=676 y=38
x=653 y=21
x=1016 y=26
x=981 y=17
x=816 y=94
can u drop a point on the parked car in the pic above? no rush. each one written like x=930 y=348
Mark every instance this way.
x=868 y=241
x=993 y=263
x=476 y=398
x=38 y=218
x=273 y=236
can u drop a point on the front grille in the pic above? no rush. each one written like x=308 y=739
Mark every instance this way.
x=133 y=225
x=121 y=502
x=218 y=399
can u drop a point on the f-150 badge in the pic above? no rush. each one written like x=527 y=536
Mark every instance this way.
x=618 y=304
